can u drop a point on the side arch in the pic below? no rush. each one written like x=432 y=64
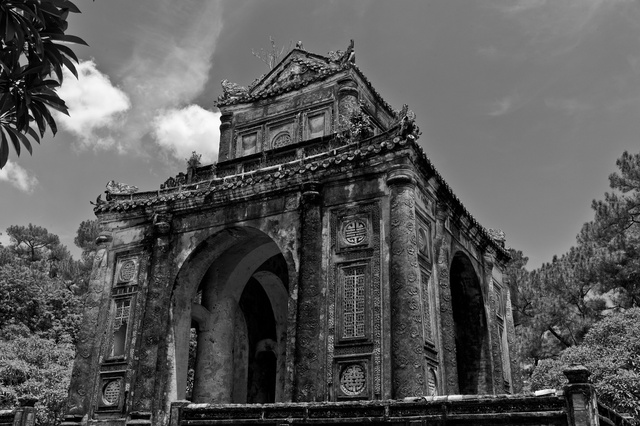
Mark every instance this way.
x=470 y=327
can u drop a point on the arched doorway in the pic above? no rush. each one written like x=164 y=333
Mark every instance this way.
x=470 y=324
x=233 y=290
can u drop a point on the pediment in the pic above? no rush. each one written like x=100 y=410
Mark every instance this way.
x=297 y=68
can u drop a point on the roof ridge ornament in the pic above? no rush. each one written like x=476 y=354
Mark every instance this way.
x=343 y=57
x=114 y=187
x=407 y=121
x=232 y=91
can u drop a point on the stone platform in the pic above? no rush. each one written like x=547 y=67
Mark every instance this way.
x=551 y=408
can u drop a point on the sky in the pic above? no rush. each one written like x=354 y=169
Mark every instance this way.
x=524 y=105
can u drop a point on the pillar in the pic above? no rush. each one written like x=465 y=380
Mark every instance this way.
x=447 y=326
x=407 y=332
x=308 y=375
x=85 y=365
x=226 y=137
x=580 y=397
x=214 y=370
x=147 y=393
x=347 y=101
x=495 y=335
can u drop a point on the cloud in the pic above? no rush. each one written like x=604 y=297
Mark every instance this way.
x=95 y=106
x=501 y=107
x=18 y=177
x=171 y=61
x=172 y=49
x=568 y=106
x=518 y=6
x=557 y=26
x=182 y=131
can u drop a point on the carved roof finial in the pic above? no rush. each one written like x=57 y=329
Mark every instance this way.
x=498 y=236
x=232 y=90
x=193 y=162
x=299 y=45
x=350 y=54
x=114 y=187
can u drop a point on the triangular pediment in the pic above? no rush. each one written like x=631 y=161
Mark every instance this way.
x=297 y=68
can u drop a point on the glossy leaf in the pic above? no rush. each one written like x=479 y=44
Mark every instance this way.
x=34 y=49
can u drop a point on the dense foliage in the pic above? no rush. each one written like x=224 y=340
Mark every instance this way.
x=584 y=306
x=611 y=352
x=41 y=289
x=32 y=59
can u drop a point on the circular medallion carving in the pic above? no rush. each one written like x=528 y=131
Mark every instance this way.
x=127 y=270
x=281 y=139
x=353 y=380
x=355 y=232
x=111 y=393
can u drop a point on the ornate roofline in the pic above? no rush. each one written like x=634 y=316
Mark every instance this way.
x=350 y=153
x=342 y=65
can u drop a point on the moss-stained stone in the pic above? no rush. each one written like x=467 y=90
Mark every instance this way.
x=295 y=261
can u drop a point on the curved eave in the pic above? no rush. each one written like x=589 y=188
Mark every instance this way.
x=367 y=149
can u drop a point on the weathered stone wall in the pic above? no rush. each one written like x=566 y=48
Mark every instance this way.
x=349 y=245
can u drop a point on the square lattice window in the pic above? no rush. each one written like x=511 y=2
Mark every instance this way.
x=353 y=302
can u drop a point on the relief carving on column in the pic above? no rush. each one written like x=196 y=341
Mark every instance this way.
x=407 y=334
x=496 y=338
x=153 y=323
x=442 y=245
x=84 y=367
x=308 y=385
x=511 y=341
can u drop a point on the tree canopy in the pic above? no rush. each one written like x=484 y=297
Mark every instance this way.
x=32 y=59
x=41 y=302
x=584 y=306
x=611 y=352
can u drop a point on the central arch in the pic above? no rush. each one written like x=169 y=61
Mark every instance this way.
x=233 y=291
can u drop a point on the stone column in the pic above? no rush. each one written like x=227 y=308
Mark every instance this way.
x=447 y=326
x=495 y=338
x=25 y=415
x=580 y=397
x=407 y=338
x=85 y=366
x=514 y=374
x=226 y=137
x=308 y=375
x=147 y=393
x=213 y=381
x=347 y=100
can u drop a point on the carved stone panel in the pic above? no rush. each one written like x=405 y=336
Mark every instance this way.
x=354 y=378
x=281 y=134
x=112 y=391
x=353 y=299
x=354 y=294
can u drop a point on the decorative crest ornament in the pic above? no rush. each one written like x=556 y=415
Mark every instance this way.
x=193 y=162
x=114 y=187
x=343 y=57
x=99 y=201
x=408 y=127
x=232 y=91
x=498 y=236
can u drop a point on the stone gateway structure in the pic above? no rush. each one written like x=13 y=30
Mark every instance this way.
x=323 y=259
